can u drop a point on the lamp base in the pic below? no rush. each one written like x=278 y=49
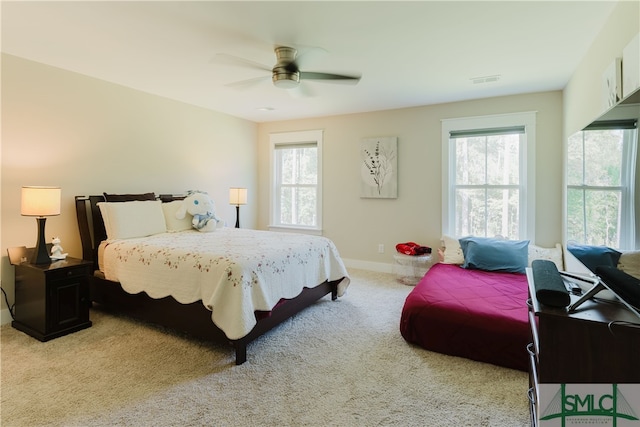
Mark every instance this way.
x=40 y=253
x=237 y=216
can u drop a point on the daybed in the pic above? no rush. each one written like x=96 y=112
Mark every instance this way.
x=473 y=313
x=230 y=284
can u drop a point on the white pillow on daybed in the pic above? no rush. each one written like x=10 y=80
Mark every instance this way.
x=126 y=220
x=629 y=262
x=452 y=251
x=550 y=254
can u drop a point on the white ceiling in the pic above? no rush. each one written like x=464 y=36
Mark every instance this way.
x=409 y=53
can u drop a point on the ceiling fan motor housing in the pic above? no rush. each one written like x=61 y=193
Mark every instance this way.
x=285 y=74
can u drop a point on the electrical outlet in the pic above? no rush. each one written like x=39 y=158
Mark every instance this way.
x=380 y=248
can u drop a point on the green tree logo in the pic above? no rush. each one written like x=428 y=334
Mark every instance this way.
x=589 y=406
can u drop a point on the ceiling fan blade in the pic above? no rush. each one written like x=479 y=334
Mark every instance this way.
x=244 y=84
x=330 y=78
x=224 y=57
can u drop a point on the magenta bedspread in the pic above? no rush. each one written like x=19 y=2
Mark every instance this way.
x=475 y=314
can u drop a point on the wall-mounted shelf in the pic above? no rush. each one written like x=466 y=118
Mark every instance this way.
x=627 y=108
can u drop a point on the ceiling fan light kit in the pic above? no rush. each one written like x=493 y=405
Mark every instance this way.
x=286 y=74
x=286 y=80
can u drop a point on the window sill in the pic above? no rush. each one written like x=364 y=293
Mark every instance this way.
x=293 y=229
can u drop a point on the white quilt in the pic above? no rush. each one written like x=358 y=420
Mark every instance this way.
x=235 y=272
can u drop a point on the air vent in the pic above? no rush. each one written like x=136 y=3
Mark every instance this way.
x=485 y=79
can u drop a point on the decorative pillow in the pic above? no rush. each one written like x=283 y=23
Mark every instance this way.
x=125 y=220
x=452 y=251
x=549 y=254
x=128 y=197
x=174 y=224
x=482 y=253
x=629 y=262
x=594 y=256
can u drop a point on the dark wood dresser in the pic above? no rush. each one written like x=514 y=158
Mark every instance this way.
x=598 y=343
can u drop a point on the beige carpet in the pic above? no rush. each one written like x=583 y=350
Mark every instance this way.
x=340 y=363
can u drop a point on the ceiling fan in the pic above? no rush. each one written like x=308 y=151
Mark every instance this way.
x=286 y=74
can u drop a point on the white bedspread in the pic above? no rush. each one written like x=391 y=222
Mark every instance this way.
x=235 y=272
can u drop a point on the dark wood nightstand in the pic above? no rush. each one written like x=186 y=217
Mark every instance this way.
x=52 y=300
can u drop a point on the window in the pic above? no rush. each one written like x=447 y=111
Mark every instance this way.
x=601 y=164
x=296 y=180
x=488 y=176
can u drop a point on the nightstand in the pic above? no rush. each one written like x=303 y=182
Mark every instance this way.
x=52 y=300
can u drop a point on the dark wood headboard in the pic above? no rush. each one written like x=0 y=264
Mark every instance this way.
x=91 y=224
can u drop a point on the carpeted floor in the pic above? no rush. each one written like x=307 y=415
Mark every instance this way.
x=340 y=363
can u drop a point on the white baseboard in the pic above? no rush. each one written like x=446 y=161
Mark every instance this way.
x=378 y=267
x=5 y=316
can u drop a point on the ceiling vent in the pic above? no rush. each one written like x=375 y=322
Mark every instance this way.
x=485 y=79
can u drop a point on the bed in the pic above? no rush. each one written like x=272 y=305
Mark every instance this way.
x=229 y=284
x=473 y=313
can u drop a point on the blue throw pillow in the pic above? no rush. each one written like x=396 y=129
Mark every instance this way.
x=483 y=253
x=594 y=256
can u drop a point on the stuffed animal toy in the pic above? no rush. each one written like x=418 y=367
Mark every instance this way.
x=56 y=250
x=202 y=207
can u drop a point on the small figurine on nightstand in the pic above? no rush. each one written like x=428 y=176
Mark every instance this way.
x=56 y=250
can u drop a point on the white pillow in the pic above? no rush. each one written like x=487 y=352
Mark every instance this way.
x=125 y=220
x=453 y=252
x=174 y=224
x=549 y=254
x=629 y=262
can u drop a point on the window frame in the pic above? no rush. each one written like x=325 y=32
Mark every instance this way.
x=298 y=138
x=526 y=165
x=626 y=189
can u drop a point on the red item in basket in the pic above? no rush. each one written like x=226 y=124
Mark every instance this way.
x=412 y=248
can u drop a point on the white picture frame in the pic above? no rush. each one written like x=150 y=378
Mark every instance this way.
x=379 y=167
x=631 y=66
x=612 y=84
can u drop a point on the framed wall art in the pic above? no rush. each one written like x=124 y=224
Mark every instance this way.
x=379 y=167
x=612 y=84
x=631 y=66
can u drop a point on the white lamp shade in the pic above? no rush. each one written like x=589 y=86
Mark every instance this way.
x=40 y=201
x=237 y=196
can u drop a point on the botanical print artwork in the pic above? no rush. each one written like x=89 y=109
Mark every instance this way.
x=379 y=168
x=612 y=84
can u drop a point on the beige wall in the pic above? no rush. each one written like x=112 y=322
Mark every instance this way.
x=88 y=136
x=358 y=225
x=582 y=101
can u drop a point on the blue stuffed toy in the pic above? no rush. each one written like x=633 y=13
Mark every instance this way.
x=202 y=207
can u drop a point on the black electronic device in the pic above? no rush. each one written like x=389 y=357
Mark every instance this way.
x=550 y=289
x=623 y=285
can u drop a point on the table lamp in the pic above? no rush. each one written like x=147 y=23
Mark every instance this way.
x=237 y=196
x=40 y=202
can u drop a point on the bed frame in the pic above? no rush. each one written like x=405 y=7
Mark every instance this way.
x=193 y=319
